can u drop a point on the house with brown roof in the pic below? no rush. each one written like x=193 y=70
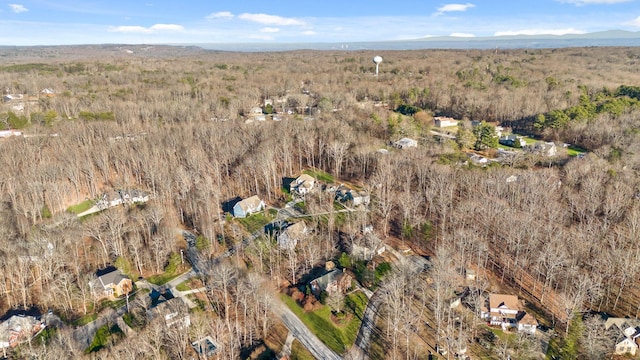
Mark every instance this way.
x=291 y=235
x=505 y=311
x=174 y=311
x=626 y=331
x=335 y=281
x=303 y=184
x=18 y=329
x=248 y=206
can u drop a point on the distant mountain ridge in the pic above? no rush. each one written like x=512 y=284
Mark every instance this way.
x=601 y=38
x=609 y=34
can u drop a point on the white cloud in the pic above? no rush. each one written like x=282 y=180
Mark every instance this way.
x=269 y=30
x=588 y=2
x=465 y=35
x=539 y=32
x=454 y=7
x=17 y=8
x=220 y=15
x=266 y=19
x=308 y=32
x=146 y=30
x=635 y=22
x=167 y=27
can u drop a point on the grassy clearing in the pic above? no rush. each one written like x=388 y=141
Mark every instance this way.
x=171 y=271
x=337 y=338
x=103 y=337
x=85 y=319
x=323 y=176
x=575 y=150
x=257 y=221
x=299 y=352
x=161 y=279
x=183 y=286
x=83 y=206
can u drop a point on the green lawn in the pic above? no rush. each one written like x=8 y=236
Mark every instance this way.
x=575 y=151
x=338 y=338
x=83 y=206
x=85 y=319
x=299 y=352
x=183 y=286
x=173 y=269
x=161 y=279
x=103 y=337
x=323 y=176
x=257 y=221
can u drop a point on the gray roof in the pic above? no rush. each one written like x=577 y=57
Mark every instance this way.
x=113 y=277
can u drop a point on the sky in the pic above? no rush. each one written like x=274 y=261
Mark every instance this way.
x=63 y=22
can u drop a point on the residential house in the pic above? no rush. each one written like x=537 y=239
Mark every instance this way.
x=512 y=140
x=405 y=143
x=335 y=281
x=527 y=323
x=18 y=329
x=441 y=121
x=289 y=237
x=543 y=148
x=353 y=197
x=111 y=283
x=366 y=252
x=504 y=311
x=134 y=196
x=174 y=311
x=248 y=206
x=205 y=347
x=303 y=184
x=626 y=332
x=119 y=197
x=367 y=245
x=478 y=159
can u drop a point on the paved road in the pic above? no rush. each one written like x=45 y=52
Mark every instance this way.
x=442 y=134
x=316 y=347
x=84 y=334
x=360 y=349
x=368 y=325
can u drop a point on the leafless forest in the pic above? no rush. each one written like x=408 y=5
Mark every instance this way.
x=171 y=122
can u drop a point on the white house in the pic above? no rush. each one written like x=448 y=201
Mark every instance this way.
x=248 y=206
x=504 y=311
x=543 y=148
x=405 y=143
x=303 y=184
x=628 y=330
x=441 y=121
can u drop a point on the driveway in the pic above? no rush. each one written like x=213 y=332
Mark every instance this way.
x=316 y=347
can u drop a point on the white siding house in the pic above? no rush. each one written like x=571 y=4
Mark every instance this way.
x=248 y=206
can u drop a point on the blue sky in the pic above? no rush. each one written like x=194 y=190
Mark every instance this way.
x=55 y=22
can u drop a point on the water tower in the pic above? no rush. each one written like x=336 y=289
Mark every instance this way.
x=377 y=60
